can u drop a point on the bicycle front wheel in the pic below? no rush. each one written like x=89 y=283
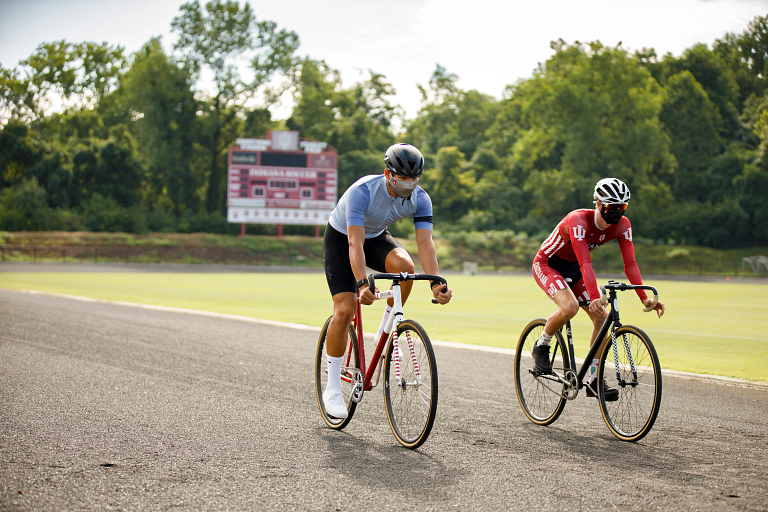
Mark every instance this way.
x=632 y=367
x=540 y=396
x=349 y=366
x=411 y=399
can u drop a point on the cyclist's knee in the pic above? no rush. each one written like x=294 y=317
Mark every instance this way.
x=398 y=261
x=344 y=309
x=569 y=309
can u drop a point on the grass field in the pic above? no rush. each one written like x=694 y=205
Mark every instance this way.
x=713 y=328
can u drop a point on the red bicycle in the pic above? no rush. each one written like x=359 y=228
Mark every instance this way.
x=406 y=356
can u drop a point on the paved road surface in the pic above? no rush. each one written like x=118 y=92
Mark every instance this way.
x=109 y=407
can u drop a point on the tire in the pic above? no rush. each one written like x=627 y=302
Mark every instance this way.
x=411 y=406
x=351 y=361
x=631 y=417
x=542 y=405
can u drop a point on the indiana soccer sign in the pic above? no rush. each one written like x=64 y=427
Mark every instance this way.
x=281 y=180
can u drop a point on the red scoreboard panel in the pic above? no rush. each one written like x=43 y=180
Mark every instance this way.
x=281 y=180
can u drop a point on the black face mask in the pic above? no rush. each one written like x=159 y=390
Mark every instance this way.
x=611 y=216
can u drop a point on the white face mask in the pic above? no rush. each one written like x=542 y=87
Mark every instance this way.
x=402 y=187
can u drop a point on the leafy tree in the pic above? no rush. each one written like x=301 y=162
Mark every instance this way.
x=217 y=38
x=709 y=70
x=450 y=116
x=159 y=95
x=24 y=208
x=450 y=185
x=692 y=123
x=356 y=121
x=73 y=76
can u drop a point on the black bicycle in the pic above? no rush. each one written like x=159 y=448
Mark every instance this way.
x=628 y=363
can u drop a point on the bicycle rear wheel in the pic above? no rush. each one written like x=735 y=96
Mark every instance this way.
x=540 y=396
x=638 y=380
x=350 y=363
x=411 y=403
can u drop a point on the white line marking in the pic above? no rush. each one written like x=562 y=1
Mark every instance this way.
x=449 y=344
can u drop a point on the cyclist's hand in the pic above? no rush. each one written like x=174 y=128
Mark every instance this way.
x=442 y=297
x=366 y=295
x=659 y=308
x=596 y=306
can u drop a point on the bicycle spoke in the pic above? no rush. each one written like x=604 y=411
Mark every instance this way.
x=632 y=415
x=411 y=404
x=540 y=395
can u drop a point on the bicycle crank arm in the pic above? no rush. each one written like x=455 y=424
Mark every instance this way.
x=554 y=377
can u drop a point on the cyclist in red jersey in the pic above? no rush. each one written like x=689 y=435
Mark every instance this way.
x=563 y=268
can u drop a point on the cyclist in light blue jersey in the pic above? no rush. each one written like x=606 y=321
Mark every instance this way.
x=356 y=236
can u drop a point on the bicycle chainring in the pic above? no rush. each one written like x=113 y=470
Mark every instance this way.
x=357 y=387
x=571 y=389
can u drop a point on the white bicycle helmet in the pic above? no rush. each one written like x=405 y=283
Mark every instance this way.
x=612 y=191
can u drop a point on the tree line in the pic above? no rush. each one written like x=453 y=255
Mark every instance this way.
x=93 y=139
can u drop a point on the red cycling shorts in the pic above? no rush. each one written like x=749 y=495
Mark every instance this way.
x=551 y=280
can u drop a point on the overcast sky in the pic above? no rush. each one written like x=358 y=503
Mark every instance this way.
x=488 y=44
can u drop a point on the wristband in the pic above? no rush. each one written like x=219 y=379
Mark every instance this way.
x=361 y=283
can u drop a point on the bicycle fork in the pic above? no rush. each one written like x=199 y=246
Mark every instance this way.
x=397 y=314
x=615 y=323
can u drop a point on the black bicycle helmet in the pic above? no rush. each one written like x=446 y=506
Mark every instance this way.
x=404 y=160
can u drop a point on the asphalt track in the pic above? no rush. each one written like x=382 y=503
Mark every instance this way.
x=110 y=407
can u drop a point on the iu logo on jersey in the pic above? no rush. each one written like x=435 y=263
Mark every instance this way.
x=579 y=233
x=628 y=234
x=602 y=237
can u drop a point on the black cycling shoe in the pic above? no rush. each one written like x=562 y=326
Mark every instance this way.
x=541 y=360
x=611 y=395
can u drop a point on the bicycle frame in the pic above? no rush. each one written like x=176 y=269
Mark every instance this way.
x=612 y=322
x=389 y=332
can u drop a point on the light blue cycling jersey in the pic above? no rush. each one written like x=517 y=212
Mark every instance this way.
x=367 y=203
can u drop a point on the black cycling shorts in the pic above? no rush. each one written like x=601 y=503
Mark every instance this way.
x=338 y=269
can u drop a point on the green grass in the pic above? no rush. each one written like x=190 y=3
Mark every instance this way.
x=713 y=328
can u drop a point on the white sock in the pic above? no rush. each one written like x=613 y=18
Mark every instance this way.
x=544 y=339
x=593 y=370
x=387 y=311
x=334 y=374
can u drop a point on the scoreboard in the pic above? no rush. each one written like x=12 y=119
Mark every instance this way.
x=281 y=180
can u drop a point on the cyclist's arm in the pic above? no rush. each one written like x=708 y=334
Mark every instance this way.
x=356 y=238
x=428 y=257
x=628 y=255
x=585 y=264
x=426 y=248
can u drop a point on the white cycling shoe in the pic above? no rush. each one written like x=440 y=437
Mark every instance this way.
x=334 y=405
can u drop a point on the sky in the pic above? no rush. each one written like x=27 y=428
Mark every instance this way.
x=489 y=44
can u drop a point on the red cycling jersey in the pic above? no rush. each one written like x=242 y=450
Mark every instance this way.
x=578 y=233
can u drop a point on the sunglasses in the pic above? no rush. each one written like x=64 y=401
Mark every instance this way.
x=615 y=207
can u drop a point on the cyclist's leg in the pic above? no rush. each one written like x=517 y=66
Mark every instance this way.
x=344 y=307
x=557 y=289
x=567 y=307
x=580 y=291
x=598 y=318
x=398 y=260
x=385 y=254
x=341 y=283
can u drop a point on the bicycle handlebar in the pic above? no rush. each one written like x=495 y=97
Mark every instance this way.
x=403 y=276
x=623 y=286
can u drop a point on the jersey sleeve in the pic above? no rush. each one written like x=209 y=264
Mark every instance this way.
x=577 y=229
x=624 y=237
x=422 y=218
x=358 y=200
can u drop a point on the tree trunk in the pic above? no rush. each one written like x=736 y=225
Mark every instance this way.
x=212 y=198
